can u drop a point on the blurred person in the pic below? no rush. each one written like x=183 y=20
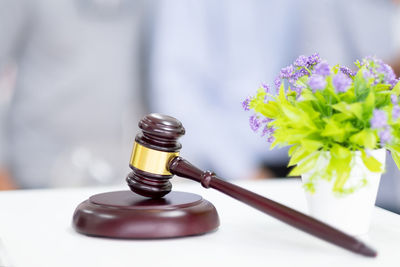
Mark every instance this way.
x=207 y=56
x=77 y=91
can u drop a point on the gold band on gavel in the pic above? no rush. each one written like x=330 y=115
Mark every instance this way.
x=150 y=160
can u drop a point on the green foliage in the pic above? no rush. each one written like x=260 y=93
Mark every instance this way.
x=361 y=88
x=330 y=122
x=372 y=164
x=395 y=151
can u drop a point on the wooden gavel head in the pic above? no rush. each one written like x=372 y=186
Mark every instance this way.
x=154 y=148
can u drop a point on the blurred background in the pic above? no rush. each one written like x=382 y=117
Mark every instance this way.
x=77 y=75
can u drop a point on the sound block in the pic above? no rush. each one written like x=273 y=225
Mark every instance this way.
x=124 y=214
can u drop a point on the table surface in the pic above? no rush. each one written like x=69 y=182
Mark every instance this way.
x=35 y=230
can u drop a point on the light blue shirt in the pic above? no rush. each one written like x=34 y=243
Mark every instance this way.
x=207 y=57
x=73 y=116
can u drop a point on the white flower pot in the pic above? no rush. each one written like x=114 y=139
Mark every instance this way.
x=351 y=212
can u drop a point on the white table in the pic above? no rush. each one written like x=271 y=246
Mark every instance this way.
x=32 y=236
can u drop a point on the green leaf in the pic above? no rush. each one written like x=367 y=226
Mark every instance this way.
x=293 y=135
x=356 y=109
x=340 y=152
x=396 y=89
x=334 y=130
x=396 y=157
x=311 y=145
x=368 y=106
x=269 y=110
x=292 y=149
x=291 y=112
x=342 y=176
x=331 y=93
x=371 y=163
x=348 y=96
x=335 y=163
x=320 y=97
x=281 y=96
x=298 y=156
x=308 y=95
x=395 y=147
x=340 y=117
x=370 y=101
x=353 y=109
x=306 y=165
x=336 y=68
x=259 y=97
x=306 y=107
x=309 y=187
x=349 y=128
x=395 y=151
x=361 y=88
x=386 y=93
x=340 y=163
x=382 y=87
x=381 y=100
x=366 y=138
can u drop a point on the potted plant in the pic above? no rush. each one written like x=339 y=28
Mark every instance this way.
x=338 y=124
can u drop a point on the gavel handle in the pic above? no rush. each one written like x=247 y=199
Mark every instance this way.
x=183 y=168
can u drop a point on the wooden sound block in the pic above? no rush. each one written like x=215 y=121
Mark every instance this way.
x=124 y=214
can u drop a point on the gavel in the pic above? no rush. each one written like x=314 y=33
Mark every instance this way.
x=155 y=159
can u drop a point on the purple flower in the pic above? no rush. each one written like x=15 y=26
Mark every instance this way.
x=246 y=103
x=266 y=120
x=322 y=68
x=301 y=61
x=270 y=139
x=394 y=82
x=369 y=74
x=267 y=131
x=385 y=136
x=266 y=87
x=300 y=73
x=394 y=99
x=286 y=72
x=387 y=72
x=277 y=82
x=292 y=80
x=379 y=70
x=298 y=89
x=254 y=123
x=317 y=82
x=396 y=112
x=313 y=59
x=347 y=71
x=369 y=61
x=341 y=82
x=296 y=76
x=379 y=119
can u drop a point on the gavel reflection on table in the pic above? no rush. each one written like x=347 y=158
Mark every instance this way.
x=153 y=211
